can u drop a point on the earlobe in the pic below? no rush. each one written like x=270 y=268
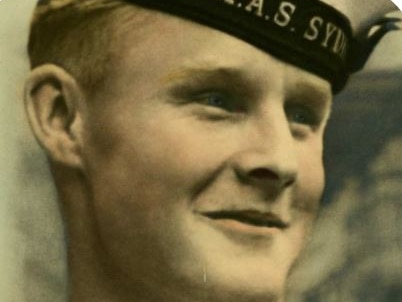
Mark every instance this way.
x=53 y=101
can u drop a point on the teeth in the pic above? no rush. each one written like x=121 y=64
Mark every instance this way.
x=250 y=217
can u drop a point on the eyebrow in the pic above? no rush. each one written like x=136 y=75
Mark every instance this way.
x=315 y=92
x=231 y=79
x=201 y=72
x=237 y=80
x=240 y=80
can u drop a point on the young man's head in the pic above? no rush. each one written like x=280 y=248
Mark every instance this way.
x=188 y=160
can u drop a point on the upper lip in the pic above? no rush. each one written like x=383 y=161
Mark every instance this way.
x=251 y=217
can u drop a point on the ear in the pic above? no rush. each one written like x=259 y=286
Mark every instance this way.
x=52 y=100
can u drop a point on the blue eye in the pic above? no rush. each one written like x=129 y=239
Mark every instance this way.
x=301 y=115
x=218 y=100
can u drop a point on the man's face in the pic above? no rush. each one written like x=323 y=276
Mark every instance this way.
x=204 y=156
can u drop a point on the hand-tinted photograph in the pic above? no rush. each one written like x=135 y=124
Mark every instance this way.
x=200 y=151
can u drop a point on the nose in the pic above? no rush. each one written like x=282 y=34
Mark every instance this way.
x=268 y=156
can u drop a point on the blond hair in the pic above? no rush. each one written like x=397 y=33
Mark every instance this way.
x=75 y=35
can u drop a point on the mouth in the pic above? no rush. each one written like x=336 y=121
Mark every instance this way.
x=251 y=218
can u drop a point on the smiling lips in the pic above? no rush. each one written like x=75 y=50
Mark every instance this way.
x=249 y=217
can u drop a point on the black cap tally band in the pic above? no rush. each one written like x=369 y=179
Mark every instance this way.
x=306 y=33
x=309 y=34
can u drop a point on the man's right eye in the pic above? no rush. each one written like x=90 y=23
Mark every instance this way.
x=218 y=100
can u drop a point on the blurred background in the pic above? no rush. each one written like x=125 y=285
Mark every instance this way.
x=355 y=253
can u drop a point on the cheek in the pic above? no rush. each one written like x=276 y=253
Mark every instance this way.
x=145 y=170
x=311 y=177
x=143 y=185
x=307 y=197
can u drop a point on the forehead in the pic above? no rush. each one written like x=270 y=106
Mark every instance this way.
x=148 y=40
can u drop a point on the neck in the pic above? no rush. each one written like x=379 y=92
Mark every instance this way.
x=86 y=280
x=92 y=276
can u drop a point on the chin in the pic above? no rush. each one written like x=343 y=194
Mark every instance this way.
x=220 y=268
x=251 y=280
x=229 y=287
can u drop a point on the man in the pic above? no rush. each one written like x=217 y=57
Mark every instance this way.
x=185 y=138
